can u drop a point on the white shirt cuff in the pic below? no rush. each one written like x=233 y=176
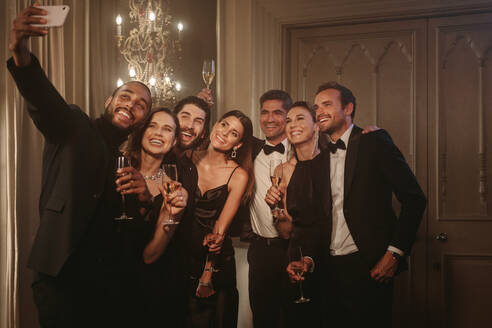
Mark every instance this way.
x=396 y=250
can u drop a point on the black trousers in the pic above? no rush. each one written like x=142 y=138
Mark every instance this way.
x=352 y=297
x=267 y=258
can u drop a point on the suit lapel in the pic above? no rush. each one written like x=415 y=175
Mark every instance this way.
x=351 y=159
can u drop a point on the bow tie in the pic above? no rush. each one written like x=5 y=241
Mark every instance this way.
x=270 y=149
x=332 y=147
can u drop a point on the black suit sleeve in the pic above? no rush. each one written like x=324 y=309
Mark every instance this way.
x=404 y=184
x=48 y=110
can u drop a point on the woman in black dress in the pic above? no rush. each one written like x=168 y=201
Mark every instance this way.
x=162 y=274
x=224 y=174
x=302 y=131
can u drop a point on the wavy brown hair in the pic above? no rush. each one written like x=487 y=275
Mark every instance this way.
x=244 y=153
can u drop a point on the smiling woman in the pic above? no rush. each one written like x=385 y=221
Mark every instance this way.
x=147 y=148
x=302 y=131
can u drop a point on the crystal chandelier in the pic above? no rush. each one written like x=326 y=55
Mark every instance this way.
x=152 y=48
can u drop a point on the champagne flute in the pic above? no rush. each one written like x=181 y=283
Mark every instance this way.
x=208 y=72
x=170 y=184
x=122 y=162
x=276 y=175
x=297 y=264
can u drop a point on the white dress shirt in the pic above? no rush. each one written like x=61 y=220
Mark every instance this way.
x=260 y=212
x=342 y=242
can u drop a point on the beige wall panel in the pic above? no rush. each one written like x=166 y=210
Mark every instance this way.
x=319 y=69
x=458 y=132
x=467 y=277
x=394 y=98
x=357 y=75
x=459 y=124
x=462 y=139
x=487 y=109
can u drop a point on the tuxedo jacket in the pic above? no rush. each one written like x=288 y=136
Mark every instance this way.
x=75 y=162
x=375 y=169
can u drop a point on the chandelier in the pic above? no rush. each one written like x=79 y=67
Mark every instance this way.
x=152 y=48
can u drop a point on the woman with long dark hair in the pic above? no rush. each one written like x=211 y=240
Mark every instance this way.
x=223 y=176
x=162 y=274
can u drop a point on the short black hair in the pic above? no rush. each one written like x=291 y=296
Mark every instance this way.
x=138 y=82
x=305 y=105
x=274 y=94
x=346 y=95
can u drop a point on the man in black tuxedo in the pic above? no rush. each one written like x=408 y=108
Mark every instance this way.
x=357 y=239
x=85 y=262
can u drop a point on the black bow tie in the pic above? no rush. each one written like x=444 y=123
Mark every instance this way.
x=270 y=149
x=332 y=147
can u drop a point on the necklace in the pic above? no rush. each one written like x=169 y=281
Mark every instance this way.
x=155 y=176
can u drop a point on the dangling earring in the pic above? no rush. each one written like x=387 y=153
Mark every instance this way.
x=233 y=153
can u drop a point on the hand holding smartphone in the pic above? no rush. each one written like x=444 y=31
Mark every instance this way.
x=56 y=15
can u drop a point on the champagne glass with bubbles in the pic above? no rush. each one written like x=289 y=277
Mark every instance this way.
x=170 y=184
x=208 y=72
x=122 y=162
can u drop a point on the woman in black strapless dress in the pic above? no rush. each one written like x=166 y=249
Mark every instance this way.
x=224 y=179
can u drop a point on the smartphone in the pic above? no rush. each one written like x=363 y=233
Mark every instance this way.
x=56 y=15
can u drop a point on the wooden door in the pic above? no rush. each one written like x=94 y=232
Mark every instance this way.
x=384 y=64
x=460 y=153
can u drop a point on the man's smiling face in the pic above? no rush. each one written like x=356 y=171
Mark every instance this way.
x=129 y=106
x=272 y=120
x=192 y=124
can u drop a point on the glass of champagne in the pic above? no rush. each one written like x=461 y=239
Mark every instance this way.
x=297 y=264
x=122 y=162
x=276 y=177
x=208 y=72
x=170 y=184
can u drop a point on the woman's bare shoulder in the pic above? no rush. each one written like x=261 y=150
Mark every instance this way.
x=239 y=175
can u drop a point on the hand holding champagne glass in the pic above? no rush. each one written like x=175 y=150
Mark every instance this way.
x=122 y=162
x=298 y=266
x=170 y=184
x=208 y=72
x=276 y=175
x=212 y=239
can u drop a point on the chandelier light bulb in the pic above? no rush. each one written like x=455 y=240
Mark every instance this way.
x=119 y=20
x=152 y=16
x=167 y=79
x=119 y=83
x=180 y=26
x=178 y=86
x=152 y=81
x=132 y=72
